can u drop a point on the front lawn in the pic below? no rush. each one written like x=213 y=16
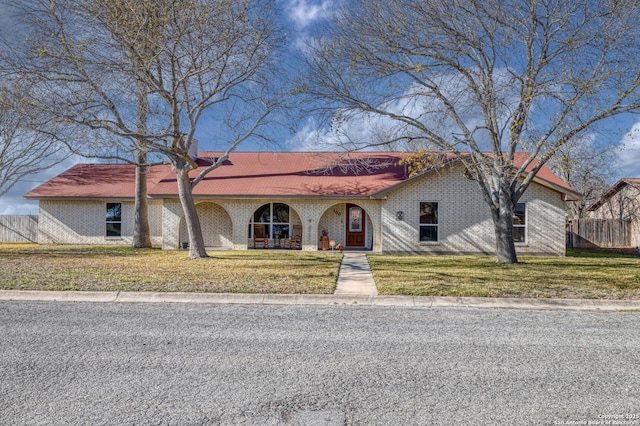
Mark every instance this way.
x=581 y=274
x=29 y=266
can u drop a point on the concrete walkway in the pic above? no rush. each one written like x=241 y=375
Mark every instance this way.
x=355 y=277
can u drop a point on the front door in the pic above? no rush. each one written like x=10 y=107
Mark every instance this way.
x=355 y=226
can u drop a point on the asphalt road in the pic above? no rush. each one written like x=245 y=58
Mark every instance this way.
x=190 y=364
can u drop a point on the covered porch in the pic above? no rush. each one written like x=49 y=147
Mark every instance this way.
x=308 y=225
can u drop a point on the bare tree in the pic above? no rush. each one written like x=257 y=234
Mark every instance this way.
x=77 y=75
x=23 y=151
x=148 y=71
x=589 y=169
x=480 y=78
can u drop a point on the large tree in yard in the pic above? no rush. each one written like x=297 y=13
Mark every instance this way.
x=146 y=72
x=82 y=94
x=483 y=79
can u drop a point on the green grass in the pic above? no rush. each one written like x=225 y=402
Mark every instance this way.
x=84 y=268
x=581 y=274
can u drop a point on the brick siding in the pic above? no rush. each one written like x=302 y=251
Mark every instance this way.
x=464 y=219
x=84 y=222
x=465 y=224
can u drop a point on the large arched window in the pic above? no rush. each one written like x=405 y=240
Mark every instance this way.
x=276 y=218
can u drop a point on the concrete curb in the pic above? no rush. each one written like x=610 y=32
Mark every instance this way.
x=320 y=299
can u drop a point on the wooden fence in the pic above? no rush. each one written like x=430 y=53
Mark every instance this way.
x=598 y=233
x=18 y=229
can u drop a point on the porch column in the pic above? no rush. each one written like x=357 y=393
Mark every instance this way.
x=309 y=231
x=376 y=220
x=171 y=214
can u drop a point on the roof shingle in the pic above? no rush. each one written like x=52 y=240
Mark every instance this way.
x=251 y=174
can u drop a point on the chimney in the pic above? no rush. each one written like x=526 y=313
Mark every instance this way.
x=193 y=149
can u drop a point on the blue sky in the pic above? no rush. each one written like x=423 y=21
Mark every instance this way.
x=300 y=17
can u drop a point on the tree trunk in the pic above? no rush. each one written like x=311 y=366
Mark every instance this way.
x=503 y=224
x=191 y=219
x=141 y=233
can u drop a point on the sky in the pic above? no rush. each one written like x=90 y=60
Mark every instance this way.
x=300 y=16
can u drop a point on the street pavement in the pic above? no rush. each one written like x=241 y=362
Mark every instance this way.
x=84 y=363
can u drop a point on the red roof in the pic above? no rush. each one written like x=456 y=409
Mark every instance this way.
x=252 y=174
x=546 y=177
x=294 y=174
x=92 y=181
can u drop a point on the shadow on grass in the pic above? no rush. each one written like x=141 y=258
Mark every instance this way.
x=604 y=253
x=79 y=251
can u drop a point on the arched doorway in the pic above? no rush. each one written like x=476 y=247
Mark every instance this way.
x=348 y=225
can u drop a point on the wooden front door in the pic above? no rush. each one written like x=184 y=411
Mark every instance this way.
x=355 y=226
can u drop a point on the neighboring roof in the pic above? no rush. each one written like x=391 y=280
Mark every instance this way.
x=256 y=174
x=633 y=182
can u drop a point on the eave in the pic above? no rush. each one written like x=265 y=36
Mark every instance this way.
x=268 y=196
x=83 y=198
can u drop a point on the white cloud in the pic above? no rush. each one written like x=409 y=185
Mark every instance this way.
x=13 y=203
x=16 y=205
x=311 y=137
x=629 y=158
x=369 y=131
x=304 y=43
x=305 y=12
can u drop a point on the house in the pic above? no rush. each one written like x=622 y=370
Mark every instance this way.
x=362 y=201
x=621 y=201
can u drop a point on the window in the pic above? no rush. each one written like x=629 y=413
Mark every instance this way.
x=355 y=219
x=520 y=223
x=429 y=222
x=114 y=219
x=276 y=218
